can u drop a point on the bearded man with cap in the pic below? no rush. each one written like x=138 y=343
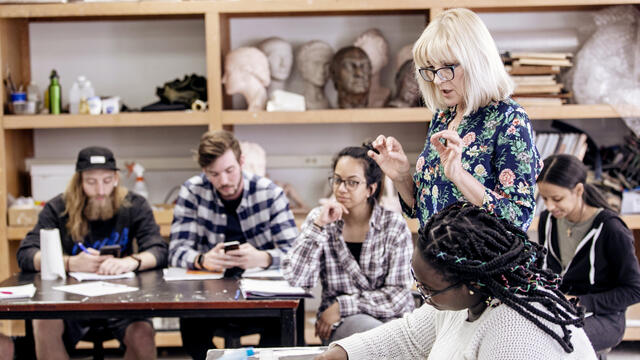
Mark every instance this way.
x=94 y=212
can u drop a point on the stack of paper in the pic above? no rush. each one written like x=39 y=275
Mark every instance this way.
x=252 y=288
x=258 y=273
x=82 y=276
x=175 y=273
x=96 y=288
x=15 y=292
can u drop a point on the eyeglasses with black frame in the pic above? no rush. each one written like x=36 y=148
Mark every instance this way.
x=427 y=293
x=336 y=181
x=445 y=73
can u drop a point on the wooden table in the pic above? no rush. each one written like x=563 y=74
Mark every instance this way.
x=155 y=297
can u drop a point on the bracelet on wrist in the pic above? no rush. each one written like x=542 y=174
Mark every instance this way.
x=138 y=259
x=200 y=260
x=315 y=225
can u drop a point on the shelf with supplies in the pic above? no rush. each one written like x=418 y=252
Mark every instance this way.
x=155 y=118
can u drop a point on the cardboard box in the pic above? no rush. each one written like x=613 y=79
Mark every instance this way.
x=19 y=216
x=163 y=213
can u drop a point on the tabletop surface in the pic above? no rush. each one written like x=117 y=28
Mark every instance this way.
x=154 y=293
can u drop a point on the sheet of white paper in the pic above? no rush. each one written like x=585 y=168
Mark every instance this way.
x=96 y=288
x=270 y=288
x=83 y=276
x=15 y=292
x=258 y=273
x=51 y=264
x=175 y=273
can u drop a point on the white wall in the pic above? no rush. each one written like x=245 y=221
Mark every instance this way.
x=131 y=58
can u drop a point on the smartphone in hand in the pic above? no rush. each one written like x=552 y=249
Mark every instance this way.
x=231 y=245
x=110 y=250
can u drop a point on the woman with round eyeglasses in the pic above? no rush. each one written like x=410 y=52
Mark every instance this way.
x=479 y=144
x=486 y=295
x=359 y=251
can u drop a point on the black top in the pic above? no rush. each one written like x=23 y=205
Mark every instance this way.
x=233 y=232
x=134 y=220
x=355 y=248
x=610 y=281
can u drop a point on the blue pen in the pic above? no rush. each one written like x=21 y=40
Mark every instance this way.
x=237 y=295
x=84 y=249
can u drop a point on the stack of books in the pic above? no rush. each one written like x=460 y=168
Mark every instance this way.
x=535 y=75
x=561 y=143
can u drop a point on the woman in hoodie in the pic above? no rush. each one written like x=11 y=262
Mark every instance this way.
x=590 y=247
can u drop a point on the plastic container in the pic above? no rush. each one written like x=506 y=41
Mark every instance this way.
x=49 y=180
x=237 y=354
x=74 y=98
x=33 y=99
x=95 y=105
x=19 y=103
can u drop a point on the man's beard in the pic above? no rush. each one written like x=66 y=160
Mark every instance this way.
x=99 y=209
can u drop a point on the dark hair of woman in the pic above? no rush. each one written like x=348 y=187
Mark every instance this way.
x=567 y=171
x=372 y=172
x=496 y=259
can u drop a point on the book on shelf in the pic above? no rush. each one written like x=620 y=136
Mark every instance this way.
x=537 y=89
x=538 y=101
x=549 y=62
x=532 y=70
x=534 y=79
x=561 y=143
x=540 y=55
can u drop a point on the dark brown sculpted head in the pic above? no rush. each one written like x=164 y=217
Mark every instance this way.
x=351 y=74
x=407 y=89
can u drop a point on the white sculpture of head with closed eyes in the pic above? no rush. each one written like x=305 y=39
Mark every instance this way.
x=280 y=56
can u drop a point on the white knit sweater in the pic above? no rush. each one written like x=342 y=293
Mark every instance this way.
x=500 y=333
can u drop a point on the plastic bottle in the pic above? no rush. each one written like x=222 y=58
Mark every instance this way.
x=55 y=97
x=140 y=186
x=33 y=98
x=74 y=98
x=237 y=354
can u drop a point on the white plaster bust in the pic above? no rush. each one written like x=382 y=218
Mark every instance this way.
x=374 y=44
x=246 y=72
x=313 y=60
x=280 y=56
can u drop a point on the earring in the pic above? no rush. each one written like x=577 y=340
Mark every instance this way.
x=471 y=292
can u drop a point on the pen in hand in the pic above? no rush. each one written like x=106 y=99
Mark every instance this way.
x=84 y=249
x=237 y=295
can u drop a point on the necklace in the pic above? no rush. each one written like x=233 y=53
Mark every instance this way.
x=570 y=228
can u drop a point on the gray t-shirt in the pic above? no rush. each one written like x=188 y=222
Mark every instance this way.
x=569 y=236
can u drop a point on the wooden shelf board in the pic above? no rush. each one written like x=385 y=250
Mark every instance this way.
x=242 y=117
x=139 y=119
x=573 y=111
x=144 y=8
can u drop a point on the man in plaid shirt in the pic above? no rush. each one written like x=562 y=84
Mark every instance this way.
x=220 y=205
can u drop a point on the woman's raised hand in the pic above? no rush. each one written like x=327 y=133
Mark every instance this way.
x=390 y=157
x=449 y=146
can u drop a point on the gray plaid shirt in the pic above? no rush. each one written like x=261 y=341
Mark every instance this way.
x=379 y=285
x=200 y=220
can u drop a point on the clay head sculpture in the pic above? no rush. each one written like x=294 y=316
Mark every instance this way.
x=351 y=74
x=280 y=56
x=313 y=60
x=246 y=72
x=374 y=44
x=407 y=89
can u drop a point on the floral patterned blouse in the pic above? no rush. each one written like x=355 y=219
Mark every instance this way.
x=499 y=152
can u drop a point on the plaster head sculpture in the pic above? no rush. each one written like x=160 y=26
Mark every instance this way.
x=280 y=56
x=407 y=88
x=351 y=75
x=313 y=61
x=246 y=72
x=374 y=44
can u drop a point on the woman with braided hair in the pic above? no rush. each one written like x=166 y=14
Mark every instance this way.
x=590 y=247
x=486 y=297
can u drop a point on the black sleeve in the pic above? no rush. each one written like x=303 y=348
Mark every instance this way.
x=618 y=248
x=30 y=245
x=147 y=232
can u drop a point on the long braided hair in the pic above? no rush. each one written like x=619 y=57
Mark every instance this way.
x=496 y=259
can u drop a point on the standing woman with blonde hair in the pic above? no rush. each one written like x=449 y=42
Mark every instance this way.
x=479 y=145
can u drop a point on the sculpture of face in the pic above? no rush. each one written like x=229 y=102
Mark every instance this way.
x=406 y=83
x=376 y=47
x=247 y=73
x=351 y=70
x=313 y=61
x=280 y=56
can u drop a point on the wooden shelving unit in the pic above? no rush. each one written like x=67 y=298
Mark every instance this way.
x=16 y=132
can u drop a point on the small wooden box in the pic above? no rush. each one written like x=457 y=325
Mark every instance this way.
x=163 y=213
x=24 y=216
